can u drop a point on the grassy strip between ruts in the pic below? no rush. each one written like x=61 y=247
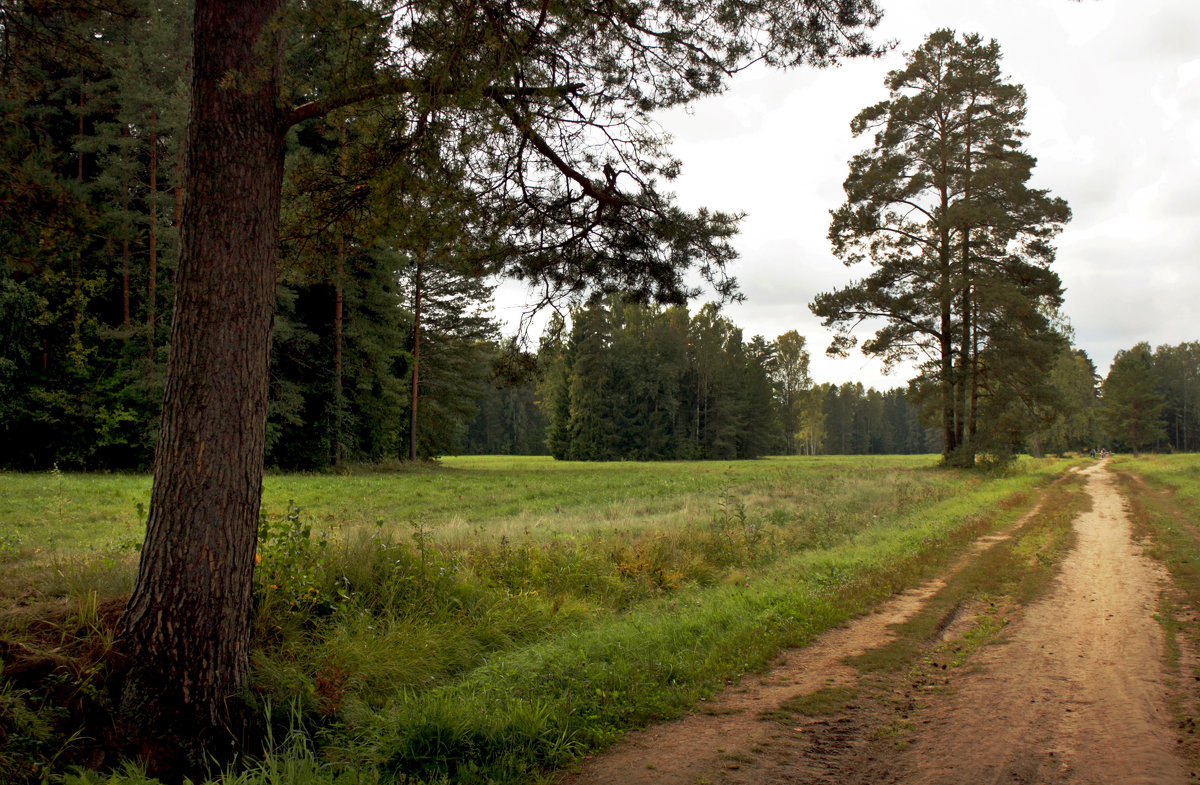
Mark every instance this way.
x=535 y=706
x=971 y=610
x=1163 y=497
x=1011 y=572
x=1163 y=494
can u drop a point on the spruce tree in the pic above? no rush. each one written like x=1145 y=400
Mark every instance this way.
x=1131 y=406
x=760 y=410
x=591 y=428
x=451 y=328
x=1178 y=370
x=715 y=352
x=511 y=419
x=790 y=372
x=555 y=358
x=48 y=239
x=1073 y=422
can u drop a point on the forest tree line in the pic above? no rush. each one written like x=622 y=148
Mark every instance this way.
x=94 y=109
x=623 y=381
x=628 y=381
x=89 y=219
x=89 y=231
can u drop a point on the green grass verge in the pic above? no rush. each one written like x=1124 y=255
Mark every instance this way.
x=1163 y=498
x=1163 y=495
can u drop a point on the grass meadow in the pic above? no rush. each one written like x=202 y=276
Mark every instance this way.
x=1178 y=473
x=482 y=619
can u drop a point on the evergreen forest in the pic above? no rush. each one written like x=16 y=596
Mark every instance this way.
x=94 y=108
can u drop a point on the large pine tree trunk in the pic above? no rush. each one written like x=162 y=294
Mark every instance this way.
x=152 y=250
x=966 y=444
x=416 y=364
x=973 y=424
x=946 y=342
x=186 y=628
x=339 y=392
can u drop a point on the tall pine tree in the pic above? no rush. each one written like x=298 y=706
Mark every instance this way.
x=960 y=244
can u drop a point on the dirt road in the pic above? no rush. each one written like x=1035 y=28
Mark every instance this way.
x=1074 y=693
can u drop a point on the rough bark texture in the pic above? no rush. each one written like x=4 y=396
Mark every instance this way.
x=973 y=422
x=416 y=365
x=125 y=283
x=966 y=378
x=200 y=541
x=945 y=345
x=339 y=393
x=152 y=273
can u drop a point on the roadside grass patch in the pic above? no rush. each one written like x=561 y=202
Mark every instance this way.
x=1162 y=494
x=1163 y=497
x=824 y=702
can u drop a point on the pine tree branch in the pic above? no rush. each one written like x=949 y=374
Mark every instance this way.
x=607 y=196
x=383 y=89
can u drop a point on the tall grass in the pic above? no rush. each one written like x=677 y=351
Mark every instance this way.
x=1179 y=473
x=65 y=512
x=511 y=620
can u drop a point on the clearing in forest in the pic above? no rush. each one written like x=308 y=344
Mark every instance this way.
x=494 y=616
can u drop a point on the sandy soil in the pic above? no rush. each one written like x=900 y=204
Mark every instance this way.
x=1074 y=694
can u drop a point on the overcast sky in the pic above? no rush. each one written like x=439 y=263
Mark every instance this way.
x=1114 y=121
